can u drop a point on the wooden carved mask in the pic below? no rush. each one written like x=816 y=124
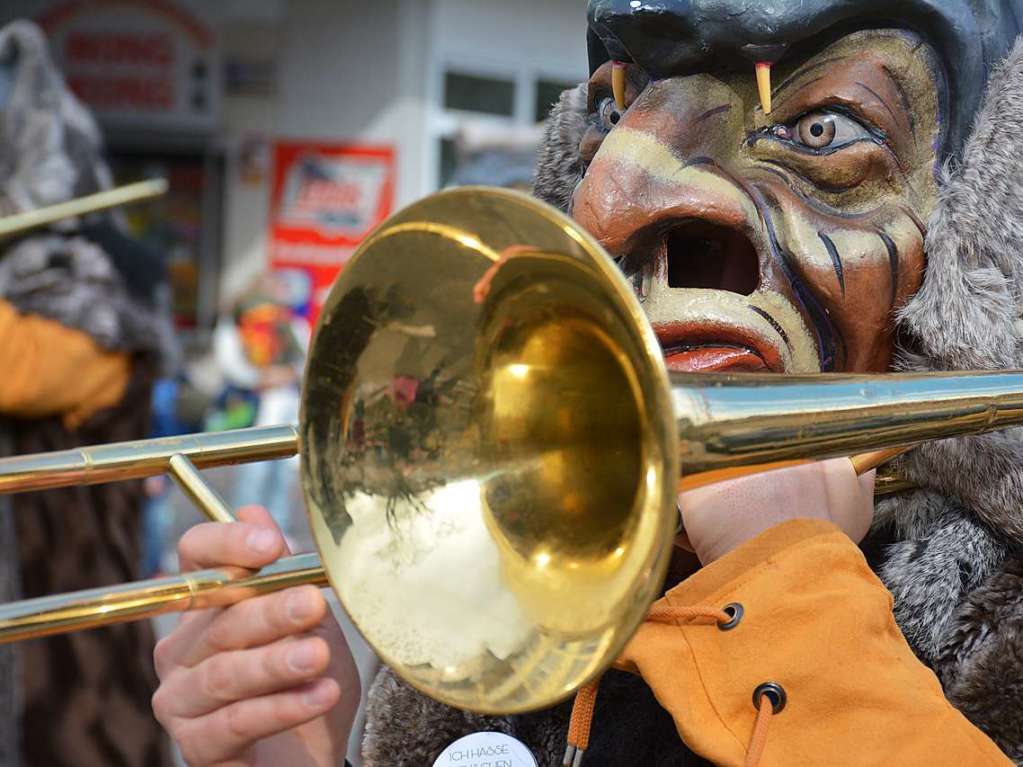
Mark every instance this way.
x=783 y=242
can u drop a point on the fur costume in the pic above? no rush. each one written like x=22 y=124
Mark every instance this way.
x=951 y=552
x=81 y=699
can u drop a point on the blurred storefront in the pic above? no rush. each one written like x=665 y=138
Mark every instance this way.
x=379 y=103
x=287 y=129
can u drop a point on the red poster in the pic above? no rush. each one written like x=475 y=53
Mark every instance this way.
x=326 y=198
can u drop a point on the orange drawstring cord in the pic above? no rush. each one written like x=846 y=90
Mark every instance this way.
x=580 y=723
x=585 y=704
x=669 y=614
x=758 y=740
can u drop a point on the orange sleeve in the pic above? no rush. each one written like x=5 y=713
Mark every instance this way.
x=818 y=622
x=49 y=369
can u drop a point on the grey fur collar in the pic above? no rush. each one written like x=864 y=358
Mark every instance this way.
x=967 y=315
x=955 y=567
x=959 y=533
x=71 y=280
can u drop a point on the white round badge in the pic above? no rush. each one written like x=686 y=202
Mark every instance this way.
x=486 y=749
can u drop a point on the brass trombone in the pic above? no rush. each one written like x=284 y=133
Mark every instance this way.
x=491 y=450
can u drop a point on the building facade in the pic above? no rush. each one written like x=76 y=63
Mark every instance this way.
x=425 y=78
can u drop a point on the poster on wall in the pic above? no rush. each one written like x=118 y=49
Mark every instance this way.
x=325 y=199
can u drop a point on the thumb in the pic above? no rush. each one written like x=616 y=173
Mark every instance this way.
x=261 y=517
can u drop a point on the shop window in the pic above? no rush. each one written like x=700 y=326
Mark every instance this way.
x=474 y=93
x=547 y=94
x=448 y=161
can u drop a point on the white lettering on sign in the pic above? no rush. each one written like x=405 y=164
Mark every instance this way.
x=486 y=749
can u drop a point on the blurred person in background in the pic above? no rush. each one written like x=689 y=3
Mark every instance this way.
x=261 y=347
x=82 y=343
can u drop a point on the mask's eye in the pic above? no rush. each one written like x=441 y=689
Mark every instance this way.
x=826 y=130
x=608 y=113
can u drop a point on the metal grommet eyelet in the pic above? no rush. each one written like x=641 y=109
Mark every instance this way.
x=774 y=692
x=736 y=611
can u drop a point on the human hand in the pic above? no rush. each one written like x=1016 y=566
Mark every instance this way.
x=268 y=681
x=720 y=517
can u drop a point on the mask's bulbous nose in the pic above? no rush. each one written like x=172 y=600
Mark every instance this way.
x=688 y=226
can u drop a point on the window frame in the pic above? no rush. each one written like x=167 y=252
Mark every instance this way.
x=444 y=123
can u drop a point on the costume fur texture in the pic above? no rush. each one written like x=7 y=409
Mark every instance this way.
x=50 y=152
x=51 y=145
x=955 y=570
x=955 y=566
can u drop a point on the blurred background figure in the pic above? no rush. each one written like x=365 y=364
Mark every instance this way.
x=260 y=346
x=85 y=341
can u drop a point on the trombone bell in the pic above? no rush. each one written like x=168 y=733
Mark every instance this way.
x=489 y=483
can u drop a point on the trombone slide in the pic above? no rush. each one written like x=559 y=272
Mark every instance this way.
x=79 y=610
x=144 y=458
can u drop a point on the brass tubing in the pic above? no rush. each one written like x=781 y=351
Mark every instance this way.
x=865 y=462
x=889 y=483
x=144 y=458
x=93 y=203
x=79 y=610
x=749 y=420
x=192 y=484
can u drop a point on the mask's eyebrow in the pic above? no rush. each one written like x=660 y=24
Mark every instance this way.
x=880 y=100
x=802 y=73
x=903 y=97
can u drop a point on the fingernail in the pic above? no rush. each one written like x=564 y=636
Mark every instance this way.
x=303 y=656
x=299 y=606
x=319 y=696
x=262 y=540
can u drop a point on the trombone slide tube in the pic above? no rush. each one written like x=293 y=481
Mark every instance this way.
x=79 y=610
x=144 y=458
x=761 y=421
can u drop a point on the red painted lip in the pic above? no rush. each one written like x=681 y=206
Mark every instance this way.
x=697 y=347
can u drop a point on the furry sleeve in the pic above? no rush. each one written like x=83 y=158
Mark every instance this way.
x=981 y=663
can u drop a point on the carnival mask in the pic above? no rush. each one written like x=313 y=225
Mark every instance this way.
x=784 y=242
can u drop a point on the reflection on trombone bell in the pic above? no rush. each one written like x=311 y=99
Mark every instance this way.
x=528 y=433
